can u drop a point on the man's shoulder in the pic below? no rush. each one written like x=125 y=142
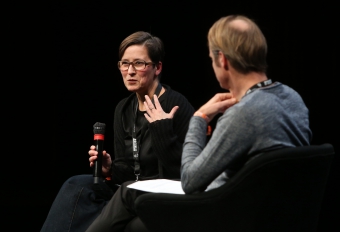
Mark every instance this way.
x=270 y=93
x=257 y=101
x=276 y=98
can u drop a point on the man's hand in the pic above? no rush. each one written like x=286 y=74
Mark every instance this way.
x=217 y=104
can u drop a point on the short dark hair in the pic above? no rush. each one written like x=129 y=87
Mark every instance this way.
x=153 y=44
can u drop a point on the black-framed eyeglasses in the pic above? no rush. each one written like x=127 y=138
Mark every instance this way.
x=137 y=65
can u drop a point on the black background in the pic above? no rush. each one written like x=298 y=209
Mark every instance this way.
x=70 y=51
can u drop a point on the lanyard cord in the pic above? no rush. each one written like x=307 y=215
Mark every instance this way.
x=135 y=144
x=259 y=85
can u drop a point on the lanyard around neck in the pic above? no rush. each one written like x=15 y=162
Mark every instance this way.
x=259 y=85
x=135 y=144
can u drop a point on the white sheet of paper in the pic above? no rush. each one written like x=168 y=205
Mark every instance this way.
x=158 y=186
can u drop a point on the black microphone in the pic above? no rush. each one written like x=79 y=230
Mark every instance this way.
x=99 y=131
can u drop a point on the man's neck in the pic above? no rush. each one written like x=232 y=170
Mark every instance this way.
x=241 y=83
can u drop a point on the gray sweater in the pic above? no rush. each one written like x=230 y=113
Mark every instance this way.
x=268 y=118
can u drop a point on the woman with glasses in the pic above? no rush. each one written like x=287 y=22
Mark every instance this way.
x=149 y=130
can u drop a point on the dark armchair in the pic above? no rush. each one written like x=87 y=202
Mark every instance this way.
x=280 y=190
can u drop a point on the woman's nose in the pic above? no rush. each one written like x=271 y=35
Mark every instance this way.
x=131 y=69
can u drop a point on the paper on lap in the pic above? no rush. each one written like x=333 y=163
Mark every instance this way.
x=158 y=186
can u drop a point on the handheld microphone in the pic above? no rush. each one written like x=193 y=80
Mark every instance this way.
x=99 y=131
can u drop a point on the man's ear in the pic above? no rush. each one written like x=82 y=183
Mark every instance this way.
x=159 y=67
x=223 y=60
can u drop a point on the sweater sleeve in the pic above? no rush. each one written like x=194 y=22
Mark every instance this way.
x=203 y=163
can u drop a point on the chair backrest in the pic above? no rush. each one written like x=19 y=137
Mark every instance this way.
x=280 y=190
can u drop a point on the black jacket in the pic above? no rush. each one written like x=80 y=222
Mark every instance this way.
x=166 y=138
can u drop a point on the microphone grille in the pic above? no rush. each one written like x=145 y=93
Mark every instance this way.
x=99 y=128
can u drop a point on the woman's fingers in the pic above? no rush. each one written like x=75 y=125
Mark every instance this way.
x=155 y=111
x=173 y=111
x=157 y=104
x=92 y=150
x=149 y=105
x=93 y=157
x=148 y=118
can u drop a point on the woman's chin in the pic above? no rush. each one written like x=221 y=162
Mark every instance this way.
x=132 y=88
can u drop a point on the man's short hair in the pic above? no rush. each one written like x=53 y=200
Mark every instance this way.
x=153 y=44
x=245 y=46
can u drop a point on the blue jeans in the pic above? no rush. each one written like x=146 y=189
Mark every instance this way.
x=77 y=204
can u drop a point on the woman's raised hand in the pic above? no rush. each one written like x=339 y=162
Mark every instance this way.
x=155 y=111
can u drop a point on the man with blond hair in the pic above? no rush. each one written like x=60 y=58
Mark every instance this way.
x=257 y=114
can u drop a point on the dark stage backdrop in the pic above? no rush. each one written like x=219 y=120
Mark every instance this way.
x=84 y=84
